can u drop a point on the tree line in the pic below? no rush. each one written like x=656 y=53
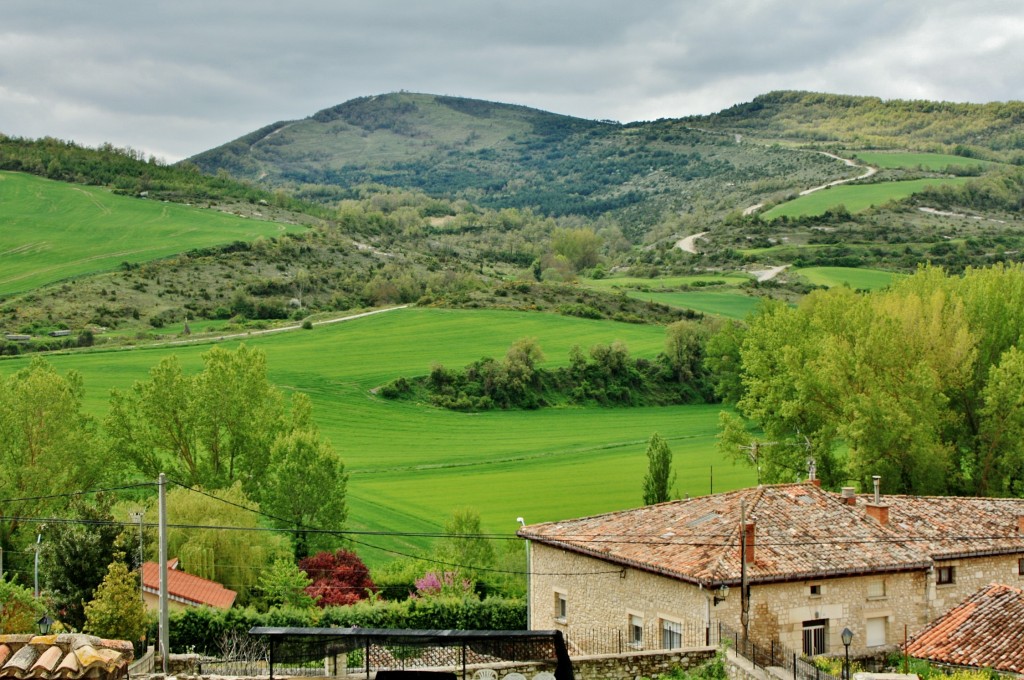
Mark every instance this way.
x=606 y=376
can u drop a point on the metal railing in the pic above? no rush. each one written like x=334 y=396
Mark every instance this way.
x=622 y=640
x=773 y=654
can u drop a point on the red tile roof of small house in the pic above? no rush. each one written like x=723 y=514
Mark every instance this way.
x=64 y=657
x=986 y=631
x=800 y=532
x=186 y=588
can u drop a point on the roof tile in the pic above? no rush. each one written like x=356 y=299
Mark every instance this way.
x=985 y=630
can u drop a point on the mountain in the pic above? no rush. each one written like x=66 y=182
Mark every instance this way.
x=505 y=156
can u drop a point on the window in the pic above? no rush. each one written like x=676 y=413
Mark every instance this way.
x=876 y=588
x=636 y=631
x=815 y=634
x=876 y=632
x=1020 y=567
x=816 y=590
x=945 y=575
x=561 y=606
x=671 y=634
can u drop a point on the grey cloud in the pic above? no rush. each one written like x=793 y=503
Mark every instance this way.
x=179 y=77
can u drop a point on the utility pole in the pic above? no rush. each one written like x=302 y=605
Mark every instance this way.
x=529 y=568
x=39 y=538
x=162 y=521
x=137 y=517
x=744 y=595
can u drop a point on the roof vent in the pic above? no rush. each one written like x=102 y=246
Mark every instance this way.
x=876 y=508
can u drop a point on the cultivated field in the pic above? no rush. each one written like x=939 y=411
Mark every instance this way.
x=861 y=279
x=411 y=464
x=54 y=231
x=856 y=197
x=935 y=162
x=730 y=304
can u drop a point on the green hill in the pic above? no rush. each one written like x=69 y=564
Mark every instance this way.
x=412 y=464
x=500 y=156
x=994 y=130
x=54 y=230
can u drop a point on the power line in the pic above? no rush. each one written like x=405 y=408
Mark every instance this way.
x=72 y=494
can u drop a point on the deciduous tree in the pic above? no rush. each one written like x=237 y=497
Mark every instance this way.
x=660 y=477
x=117 y=611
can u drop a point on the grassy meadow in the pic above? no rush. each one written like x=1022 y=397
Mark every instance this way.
x=727 y=303
x=856 y=197
x=860 y=279
x=54 y=231
x=412 y=464
x=934 y=162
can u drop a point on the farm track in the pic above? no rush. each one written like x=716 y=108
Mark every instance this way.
x=869 y=171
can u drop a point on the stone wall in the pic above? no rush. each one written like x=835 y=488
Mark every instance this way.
x=971 y=574
x=600 y=596
x=600 y=667
x=879 y=608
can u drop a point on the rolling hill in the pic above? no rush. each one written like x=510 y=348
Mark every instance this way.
x=505 y=156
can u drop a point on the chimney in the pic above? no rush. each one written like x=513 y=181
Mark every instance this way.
x=876 y=508
x=748 y=542
x=849 y=495
x=812 y=472
x=1020 y=524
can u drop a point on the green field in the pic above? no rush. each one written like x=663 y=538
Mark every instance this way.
x=935 y=162
x=412 y=464
x=861 y=279
x=664 y=282
x=856 y=197
x=727 y=303
x=54 y=231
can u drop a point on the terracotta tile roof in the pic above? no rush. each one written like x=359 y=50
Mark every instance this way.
x=985 y=631
x=53 y=657
x=948 y=527
x=186 y=588
x=800 y=532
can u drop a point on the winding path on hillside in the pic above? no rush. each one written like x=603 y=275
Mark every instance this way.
x=688 y=244
x=868 y=172
x=282 y=329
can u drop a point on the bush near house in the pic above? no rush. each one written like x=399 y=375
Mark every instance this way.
x=203 y=629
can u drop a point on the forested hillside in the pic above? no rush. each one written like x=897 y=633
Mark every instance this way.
x=501 y=156
x=994 y=130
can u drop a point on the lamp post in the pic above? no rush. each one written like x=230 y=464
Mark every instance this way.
x=847 y=636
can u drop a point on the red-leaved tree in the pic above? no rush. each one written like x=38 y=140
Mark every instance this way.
x=339 y=578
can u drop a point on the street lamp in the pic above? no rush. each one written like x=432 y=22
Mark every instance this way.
x=44 y=624
x=847 y=636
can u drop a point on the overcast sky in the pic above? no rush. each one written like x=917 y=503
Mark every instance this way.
x=176 y=77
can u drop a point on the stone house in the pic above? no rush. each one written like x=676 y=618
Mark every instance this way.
x=813 y=562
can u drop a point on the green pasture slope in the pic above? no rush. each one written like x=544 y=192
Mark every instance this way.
x=627 y=282
x=719 y=299
x=934 y=162
x=53 y=230
x=859 y=279
x=726 y=303
x=856 y=197
x=412 y=464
